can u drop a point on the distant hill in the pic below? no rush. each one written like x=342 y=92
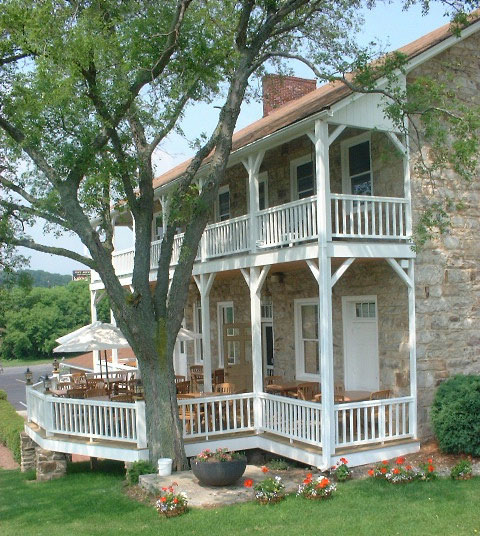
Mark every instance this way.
x=40 y=278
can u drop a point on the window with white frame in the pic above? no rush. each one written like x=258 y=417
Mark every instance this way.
x=197 y=326
x=302 y=174
x=225 y=315
x=223 y=203
x=357 y=165
x=306 y=339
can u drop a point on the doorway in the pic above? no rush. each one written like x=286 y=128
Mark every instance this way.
x=360 y=343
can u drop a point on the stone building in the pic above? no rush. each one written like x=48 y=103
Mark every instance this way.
x=307 y=273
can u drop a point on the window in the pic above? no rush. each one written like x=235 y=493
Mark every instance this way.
x=262 y=192
x=197 y=326
x=303 y=177
x=306 y=339
x=157 y=226
x=357 y=166
x=225 y=315
x=365 y=310
x=223 y=205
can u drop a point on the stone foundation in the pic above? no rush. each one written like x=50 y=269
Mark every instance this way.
x=27 y=448
x=50 y=465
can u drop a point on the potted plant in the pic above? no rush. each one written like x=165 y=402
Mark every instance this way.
x=341 y=472
x=269 y=491
x=171 y=504
x=462 y=471
x=219 y=468
x=318 y=488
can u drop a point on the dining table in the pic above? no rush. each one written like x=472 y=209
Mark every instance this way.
x=283 y=389
x=349 y=396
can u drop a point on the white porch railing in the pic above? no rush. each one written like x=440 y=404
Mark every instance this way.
x=215 y=415
x=288 y=224
x=373 y=421
x=295 y=419
x=227 y=237
x=122 y=261
x=362 y=216
x=92 y=419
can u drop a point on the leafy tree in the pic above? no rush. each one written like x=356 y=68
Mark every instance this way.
x=35 y=278
x=90 y=88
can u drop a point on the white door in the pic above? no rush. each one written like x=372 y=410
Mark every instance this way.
x=360 y=343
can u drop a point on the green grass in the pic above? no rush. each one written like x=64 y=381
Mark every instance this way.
x=6 y=363
x=90 y=504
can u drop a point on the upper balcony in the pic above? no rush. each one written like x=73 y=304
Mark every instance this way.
x=353 y=217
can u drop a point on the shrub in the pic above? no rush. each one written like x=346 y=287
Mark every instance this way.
x=278 y=465
x=3 y=395
x=11 y=424
x=456 y=415
x=462 y=470
x=139 y=468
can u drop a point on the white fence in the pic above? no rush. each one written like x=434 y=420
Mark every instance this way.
x=373 y=421
x=215 y=415
x=288 y=224
x=227 y=237
x=93 y=419
x=295 y=419
x=362 y=216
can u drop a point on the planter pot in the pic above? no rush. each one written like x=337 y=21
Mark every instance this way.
x=219 y=473
x=463 y=477
x=273 y=500
x=173 y=513
x=317 y=497
x=165 y=466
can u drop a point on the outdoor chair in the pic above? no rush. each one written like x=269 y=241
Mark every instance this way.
x=196 y=381
x=183 y=387
x=218 y=376
x=339 y=389
x=225 y=388
x=378 y=395
x=196 y=369
x=124 y=397
x=94 y=392
x=76 y=392
x=307 y=391
x=269 y=380
x=96 y=383
x=79 y=379
x=179 y=378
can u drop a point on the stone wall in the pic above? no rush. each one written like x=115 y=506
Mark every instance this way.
x=447 y=277
x=361 y=279
x=48 y=464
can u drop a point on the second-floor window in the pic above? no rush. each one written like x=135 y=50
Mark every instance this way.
x=223 y=203
x=303 y=177
x=357 y=166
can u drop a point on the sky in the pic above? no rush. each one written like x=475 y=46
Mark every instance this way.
x=388 y=24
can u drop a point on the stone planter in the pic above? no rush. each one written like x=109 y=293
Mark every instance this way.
x=219 y=473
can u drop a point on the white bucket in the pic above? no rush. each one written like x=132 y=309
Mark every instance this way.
x=165 y=466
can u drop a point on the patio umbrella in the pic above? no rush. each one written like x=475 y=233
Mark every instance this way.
x=96 y=336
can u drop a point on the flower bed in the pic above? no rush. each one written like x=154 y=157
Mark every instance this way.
x=401 y=473
x=171 y=504
x=268 y=491
x=316 y=488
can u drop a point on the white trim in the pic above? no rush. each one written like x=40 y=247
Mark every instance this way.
x=294 y=164
x=197 y=308
x=344 y=146
x=220 y=306
x=262 y=177
x=300 y=373
x=348 y=300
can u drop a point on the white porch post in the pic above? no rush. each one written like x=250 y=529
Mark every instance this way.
x=412 y=344
x=255 y=279
x=204 y=283
x=252 y=165
x=114 y=351
x=93 y=316
x=203 y=239
x=321 y=142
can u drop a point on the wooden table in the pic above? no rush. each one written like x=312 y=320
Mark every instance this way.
x=283 y=389
x=185 y=396
x=350 y=396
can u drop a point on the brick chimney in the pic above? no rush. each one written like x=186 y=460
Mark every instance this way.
x=278 y=90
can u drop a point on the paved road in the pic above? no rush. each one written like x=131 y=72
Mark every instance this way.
x=9 y=382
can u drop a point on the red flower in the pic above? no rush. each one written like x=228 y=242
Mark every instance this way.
x=333 y=467
x=431 y=468
x=344 y=460
x=408 y=467
x=309 y=475
x=307 y=481
x=175 y=500
x=164 y=489
x=248 y=483
x=174 y=484
x=170 y=489
x=400 y=460
x=264 y=469
x=430 y=461
x=383 y=470
x=324 y=483
x=371 y=472
x=396 y=471
x=163 y=499
x=385 y=462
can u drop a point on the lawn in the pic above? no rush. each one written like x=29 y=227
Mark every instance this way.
x=88 y=504
x=7 y=363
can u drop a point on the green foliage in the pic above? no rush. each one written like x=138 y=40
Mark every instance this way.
x=11 y=424
x=139 y=468
x=278 y=465
x=456 y=415
x=37 y=278
x=463 y=469
x=34 y=319
x=3 y=395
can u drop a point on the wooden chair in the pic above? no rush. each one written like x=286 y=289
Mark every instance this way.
x=124 y=397
x=95 y=391
x=196 y=381
x=183 y=387
x=218 y=376
x=381 y=395
x=76 y=393
x=196 y=369
x=339 y=389
x=269 y=380
x=179 y=378
x=307 y=391
x=79 y=379
x=96 y=383
x=225 y=388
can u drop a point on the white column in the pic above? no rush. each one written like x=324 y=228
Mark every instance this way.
x=252 y=165
x=255 y=279
x=324 y=289
x=203 y=239
x=93 y=315
x=412 y=344
x=204 y=283
x=114 y=351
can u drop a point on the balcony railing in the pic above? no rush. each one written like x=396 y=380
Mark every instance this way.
x=353 y=216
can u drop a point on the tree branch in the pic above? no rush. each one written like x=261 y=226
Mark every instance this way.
x=62 y=252
x=32 y=211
